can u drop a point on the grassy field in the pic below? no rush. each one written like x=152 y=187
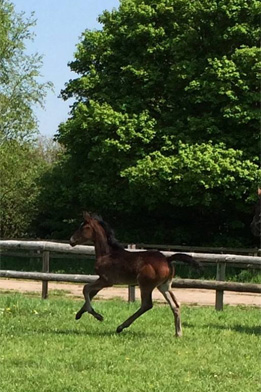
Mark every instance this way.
x=43 y=349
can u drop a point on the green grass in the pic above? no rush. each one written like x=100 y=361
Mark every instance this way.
x=43 y=349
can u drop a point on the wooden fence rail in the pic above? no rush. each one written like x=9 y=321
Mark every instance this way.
x=177 y=283
x=201 y=249
x=89 y=250
x=50 y=247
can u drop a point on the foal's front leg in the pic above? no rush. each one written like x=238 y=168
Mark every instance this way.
x=89 y=291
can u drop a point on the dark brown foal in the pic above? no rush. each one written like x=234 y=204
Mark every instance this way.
x=115 y=265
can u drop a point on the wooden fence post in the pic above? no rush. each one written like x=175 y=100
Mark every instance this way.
x=46 y=259
x=131 y=289
x=221 y=276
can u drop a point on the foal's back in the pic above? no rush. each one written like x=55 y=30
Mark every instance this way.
x=124 y=267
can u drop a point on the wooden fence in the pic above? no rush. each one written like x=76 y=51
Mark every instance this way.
x=45 y=248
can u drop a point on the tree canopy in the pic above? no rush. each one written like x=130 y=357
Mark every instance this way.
x=21 y=160
x=165 y=120
x=20 y=89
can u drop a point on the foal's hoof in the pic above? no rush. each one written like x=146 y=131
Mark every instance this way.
x=78 y=316
x=119 y=329
x=98 y=317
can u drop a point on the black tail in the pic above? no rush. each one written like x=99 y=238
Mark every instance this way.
x=185 y=258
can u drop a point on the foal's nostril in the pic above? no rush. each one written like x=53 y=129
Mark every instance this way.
x=72 y=241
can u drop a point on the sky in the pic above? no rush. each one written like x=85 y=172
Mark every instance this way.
x=59 y=26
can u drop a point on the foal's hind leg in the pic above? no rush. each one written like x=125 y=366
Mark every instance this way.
x=173 y=303
x=89 y=291
x=146 y=304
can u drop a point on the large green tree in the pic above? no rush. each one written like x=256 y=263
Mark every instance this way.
x=165 y=120
x=22 y=159
x=20 y=89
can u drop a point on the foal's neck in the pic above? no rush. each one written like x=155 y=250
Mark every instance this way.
x=101 y=244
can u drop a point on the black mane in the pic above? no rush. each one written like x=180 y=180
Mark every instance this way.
x=112 y=241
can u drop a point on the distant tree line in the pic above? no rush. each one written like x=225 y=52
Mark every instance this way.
x=163 y=135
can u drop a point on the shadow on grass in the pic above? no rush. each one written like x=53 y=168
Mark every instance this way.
x=256 y=330
x=249 y=330
x=86 y=332
x=107 y=333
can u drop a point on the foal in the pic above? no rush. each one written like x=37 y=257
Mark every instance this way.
x=115 y=265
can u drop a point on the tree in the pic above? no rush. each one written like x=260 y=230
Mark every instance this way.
x=20 y=89
x=19 y=188
x=22 y=161
x=22 y=168
x=165 y=118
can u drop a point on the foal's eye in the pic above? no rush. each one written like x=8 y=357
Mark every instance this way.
x=82 y=225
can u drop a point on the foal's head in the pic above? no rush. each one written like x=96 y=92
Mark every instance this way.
x=94 y=228
x=85 y=232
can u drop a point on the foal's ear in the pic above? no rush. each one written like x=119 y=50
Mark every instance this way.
x=86 y=216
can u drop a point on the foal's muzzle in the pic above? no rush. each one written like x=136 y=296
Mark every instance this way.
x=73 y=242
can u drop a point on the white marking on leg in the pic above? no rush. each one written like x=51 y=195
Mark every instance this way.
x=174 y=305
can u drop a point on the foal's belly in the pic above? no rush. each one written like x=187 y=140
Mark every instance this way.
x=117 y=276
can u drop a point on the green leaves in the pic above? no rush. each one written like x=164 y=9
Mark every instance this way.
x=117 y=131
x=165 y=117
x=21 y=167
x=19 y=87
x=201 y=169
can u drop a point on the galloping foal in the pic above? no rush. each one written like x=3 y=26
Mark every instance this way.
x=115 y=265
